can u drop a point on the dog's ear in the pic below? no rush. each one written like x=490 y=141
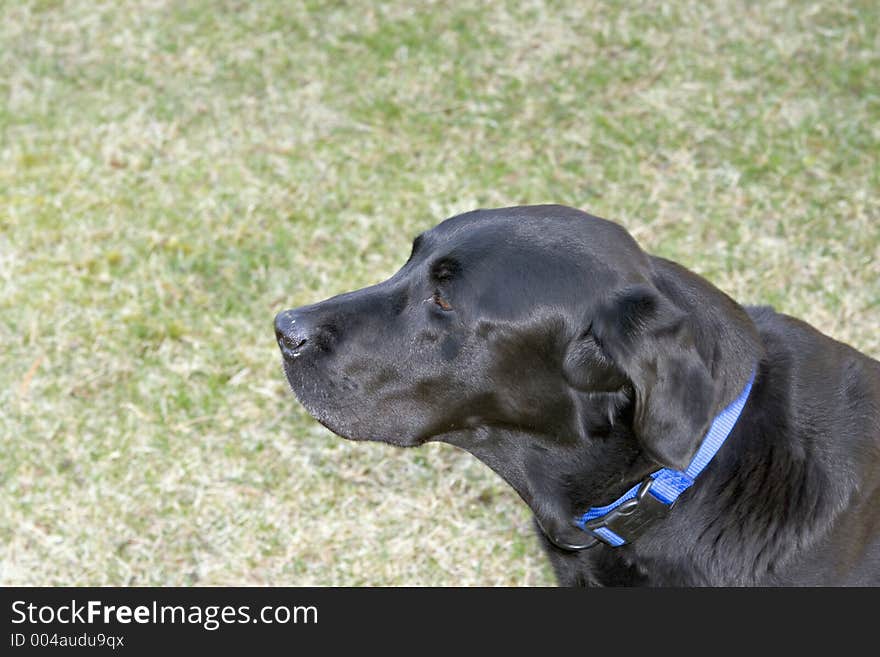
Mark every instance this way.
x=654 y=344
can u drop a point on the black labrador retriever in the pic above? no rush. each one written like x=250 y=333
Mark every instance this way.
x=661 y=433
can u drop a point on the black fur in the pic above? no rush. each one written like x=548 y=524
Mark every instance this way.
x=545 y=342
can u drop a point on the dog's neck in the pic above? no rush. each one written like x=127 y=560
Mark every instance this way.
x=740 y=523
x=702 y=540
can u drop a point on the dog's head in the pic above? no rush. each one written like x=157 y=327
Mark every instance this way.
x=542 y=340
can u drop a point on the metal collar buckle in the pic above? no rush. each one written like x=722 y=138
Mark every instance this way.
x=632 y=517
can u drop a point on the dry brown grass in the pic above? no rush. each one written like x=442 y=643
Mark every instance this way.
x=171 y=174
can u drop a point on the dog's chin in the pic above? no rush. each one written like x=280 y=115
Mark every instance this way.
x=357 y=434
x=336 y=422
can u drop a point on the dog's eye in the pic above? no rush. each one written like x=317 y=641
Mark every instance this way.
x=444 y=270
x=440 y=301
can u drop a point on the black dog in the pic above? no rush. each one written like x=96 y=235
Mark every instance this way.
x=545 y=342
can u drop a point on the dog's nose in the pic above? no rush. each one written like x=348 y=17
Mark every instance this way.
x=292 y=332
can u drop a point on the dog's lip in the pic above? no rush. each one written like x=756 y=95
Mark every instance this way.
x=414 y=441
x=325 y=419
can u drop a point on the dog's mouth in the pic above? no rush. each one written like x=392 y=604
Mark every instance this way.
x=323 y=400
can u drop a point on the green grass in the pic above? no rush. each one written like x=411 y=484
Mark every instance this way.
x=174 y=173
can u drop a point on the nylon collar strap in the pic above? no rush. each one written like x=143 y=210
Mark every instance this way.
x=624 y=519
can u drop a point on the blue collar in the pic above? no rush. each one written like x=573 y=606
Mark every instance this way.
x=626 y=517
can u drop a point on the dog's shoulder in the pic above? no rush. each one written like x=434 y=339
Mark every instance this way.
x=828 y=384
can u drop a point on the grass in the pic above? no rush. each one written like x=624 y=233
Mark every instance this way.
x=174 y=173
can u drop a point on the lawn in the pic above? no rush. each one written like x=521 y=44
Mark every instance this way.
x=174 y=173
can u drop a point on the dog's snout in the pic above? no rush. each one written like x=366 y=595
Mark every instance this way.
x=293 y=333
x=301 y=330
